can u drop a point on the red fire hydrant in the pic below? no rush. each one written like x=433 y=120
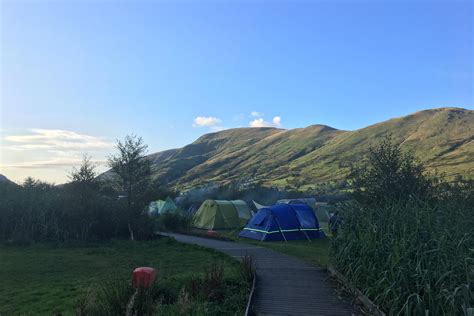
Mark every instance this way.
x=143 y=277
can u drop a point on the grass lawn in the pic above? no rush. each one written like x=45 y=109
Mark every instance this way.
x=315 y=252
x=49 y=278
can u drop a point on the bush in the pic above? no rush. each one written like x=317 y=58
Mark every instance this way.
x=410 y=250
x=172 y=221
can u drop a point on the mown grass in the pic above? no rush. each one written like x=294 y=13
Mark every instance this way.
x=315 y=252
x=50 y=278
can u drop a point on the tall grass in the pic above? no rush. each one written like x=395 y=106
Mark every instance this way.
x=409 y=258
x=210 y=292
x=411 y=253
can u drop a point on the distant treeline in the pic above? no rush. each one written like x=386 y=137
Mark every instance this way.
x=84 y=208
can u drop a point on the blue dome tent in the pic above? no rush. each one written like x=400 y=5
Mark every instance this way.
x=283 y=222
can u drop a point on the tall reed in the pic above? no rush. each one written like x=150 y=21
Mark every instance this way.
x=412 y=258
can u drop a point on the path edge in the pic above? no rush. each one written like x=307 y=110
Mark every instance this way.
x=252 y=290
x=372 y=308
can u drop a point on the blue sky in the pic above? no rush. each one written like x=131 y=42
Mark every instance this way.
x=76 y=75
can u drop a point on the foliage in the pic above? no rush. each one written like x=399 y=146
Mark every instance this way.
x=172 y=221
x=390 y=175
x=407 y=240
x=134 y=174
x=214 y=293
x=39 y=211
x=83 y=209
x=247 y=268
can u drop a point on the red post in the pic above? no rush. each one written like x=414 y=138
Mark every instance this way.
x=143 y=277
x=212 y=233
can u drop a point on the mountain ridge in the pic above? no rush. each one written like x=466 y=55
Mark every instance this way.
x=442 y=138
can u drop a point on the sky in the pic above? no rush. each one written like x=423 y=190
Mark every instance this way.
x=77 y=75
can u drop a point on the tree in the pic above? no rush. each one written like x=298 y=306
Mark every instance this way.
x=86 y=172
x=390 y=175
x=84 y=192
x=134 y=177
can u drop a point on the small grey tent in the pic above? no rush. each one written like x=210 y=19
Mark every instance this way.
x=160 y=207
x=259 y=206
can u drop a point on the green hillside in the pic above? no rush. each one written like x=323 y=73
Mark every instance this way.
x=442 y=138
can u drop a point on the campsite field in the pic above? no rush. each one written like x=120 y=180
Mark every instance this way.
x=315 y=252
x=50 y=278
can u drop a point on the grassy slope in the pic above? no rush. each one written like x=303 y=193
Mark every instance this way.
x=442 y=138
x=49 y=278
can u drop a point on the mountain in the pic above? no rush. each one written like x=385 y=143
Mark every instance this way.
x=442 y=138
x=4 y=179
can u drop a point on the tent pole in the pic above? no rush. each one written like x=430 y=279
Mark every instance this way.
x=279 y=227
x=309 y=239
x=301 y=228
x=264 y=235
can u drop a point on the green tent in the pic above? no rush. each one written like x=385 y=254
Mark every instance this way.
x=221 y=214
x=160 y=206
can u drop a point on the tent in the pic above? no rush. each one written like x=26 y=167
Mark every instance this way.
x=323 y=210
x=320 y=209
x=283 y=222
x=311 y=202
x=192 y=210
x=258 y=205
x=160 y=207
x=221 y=214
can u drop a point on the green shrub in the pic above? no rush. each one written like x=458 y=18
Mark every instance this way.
x=172 y=221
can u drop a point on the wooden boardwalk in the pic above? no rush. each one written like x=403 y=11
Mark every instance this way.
x=285 y=285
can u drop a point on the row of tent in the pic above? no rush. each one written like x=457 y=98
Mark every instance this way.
x=286 y=220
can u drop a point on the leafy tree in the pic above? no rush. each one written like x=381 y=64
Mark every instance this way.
x=86 y=172
x=390 y=175
x=134 y=178
x=84 y=192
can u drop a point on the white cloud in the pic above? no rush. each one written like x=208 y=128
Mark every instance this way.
x=256 y=114
x=52 y=163
x=206 y=121
x=56 y=139
x=260 y=122
x=277 y=121
x=48 y=153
